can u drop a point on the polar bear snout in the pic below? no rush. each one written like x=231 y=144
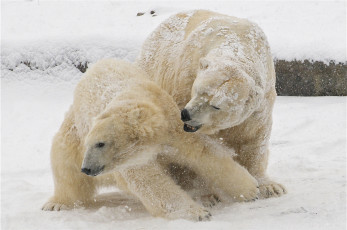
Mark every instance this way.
x=185 y=115
x=93 y=164
x=86 y=171
x=190 y=128
x=93 y=171
x=189 y=125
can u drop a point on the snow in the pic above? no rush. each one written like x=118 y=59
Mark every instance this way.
x=308 y=144
x=308 y=156
x=35 y=31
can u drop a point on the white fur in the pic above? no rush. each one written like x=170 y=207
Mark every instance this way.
x=205 y=60
x=115 y=104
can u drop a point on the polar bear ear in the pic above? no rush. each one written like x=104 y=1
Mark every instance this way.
x=203 y=63
x=148 y=121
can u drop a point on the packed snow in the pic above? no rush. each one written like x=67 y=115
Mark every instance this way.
x=308 y=155
x=308 y=144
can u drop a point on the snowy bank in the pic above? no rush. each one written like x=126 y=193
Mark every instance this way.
x=307 y=38
x=47 y=33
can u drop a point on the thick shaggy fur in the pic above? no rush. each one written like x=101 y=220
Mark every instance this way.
x=220 y=70
x=127 y=128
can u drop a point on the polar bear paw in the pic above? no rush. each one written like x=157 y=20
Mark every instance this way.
x=199 y=214
x=210 y=200
x=251 y=194
x=193 y=212
x=53 y=206
x=244 y=189
x=271 y=189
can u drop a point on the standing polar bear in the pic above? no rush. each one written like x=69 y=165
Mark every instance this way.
x=128 y=129
x=220 y=72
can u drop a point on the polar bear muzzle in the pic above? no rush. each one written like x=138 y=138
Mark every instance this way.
x=185 y=117
x=191 y=129
x=93 y=163
x=93 y=171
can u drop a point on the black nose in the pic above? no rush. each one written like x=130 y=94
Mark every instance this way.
x=86 y=171
x=185 y=115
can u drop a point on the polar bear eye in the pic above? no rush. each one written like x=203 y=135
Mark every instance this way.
x=215 y=107
x=100 y=145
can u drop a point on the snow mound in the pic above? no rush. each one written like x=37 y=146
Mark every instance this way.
x=75 y=33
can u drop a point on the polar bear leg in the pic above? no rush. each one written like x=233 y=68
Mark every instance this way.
x=255 y=159
x=227 y=178
x=160 y=195
x=71 y=187
x=224 y=177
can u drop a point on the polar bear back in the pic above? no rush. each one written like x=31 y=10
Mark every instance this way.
x=171 y=54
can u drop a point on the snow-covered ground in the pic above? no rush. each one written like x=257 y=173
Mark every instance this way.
x=308 y=139
x=308 y=156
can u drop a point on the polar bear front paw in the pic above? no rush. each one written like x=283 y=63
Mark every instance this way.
x=52 y=206
x=271 y=189
x=210 y=200
x=199 y=214
x=193 y=212
x=249 y=194
x=244 y=189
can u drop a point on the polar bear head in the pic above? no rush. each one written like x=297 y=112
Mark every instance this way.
x=125 y=134
x=222 y=96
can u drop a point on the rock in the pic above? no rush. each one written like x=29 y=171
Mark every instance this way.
x=310 y=78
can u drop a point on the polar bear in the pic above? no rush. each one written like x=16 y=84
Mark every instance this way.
x=126 y=128
x=220 y=72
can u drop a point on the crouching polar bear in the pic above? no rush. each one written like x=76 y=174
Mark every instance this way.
x=220 y=72
x=128 y=129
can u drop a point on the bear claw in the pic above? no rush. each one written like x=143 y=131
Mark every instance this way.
x=205 y=217
x=51 y=206
x=200 y=214
x=271 y=189
x=210 y=200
